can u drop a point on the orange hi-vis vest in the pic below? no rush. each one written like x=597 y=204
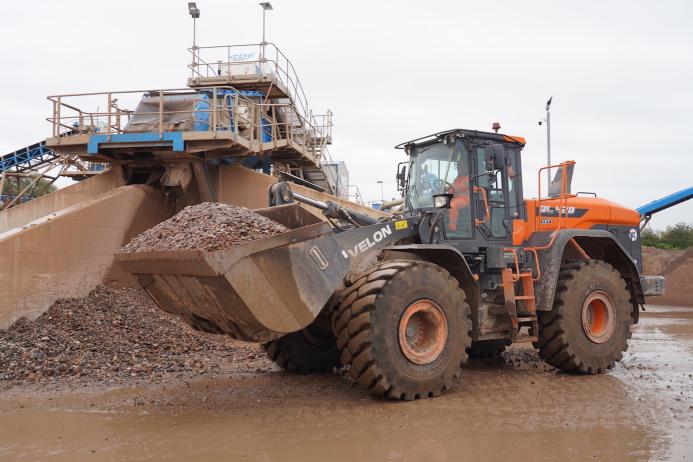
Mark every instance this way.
x=460 y=199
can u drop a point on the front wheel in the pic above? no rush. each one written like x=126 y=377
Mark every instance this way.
x=589 y=326
x=403 y=330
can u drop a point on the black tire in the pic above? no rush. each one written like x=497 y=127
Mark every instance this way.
x=311 y=350
x=563 y=340
x=373 y=316
x=488 y=348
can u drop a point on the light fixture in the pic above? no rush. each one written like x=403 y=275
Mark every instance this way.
x=193 y=10
x=442 y=201
x=266 y=5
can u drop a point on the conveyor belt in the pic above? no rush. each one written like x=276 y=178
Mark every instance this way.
x=27 y=158
x=665 y=202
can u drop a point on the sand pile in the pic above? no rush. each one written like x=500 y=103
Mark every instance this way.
x=677 y=268
x=657 y=261
x=207 y=226
x=679 y=282
x=112 y=335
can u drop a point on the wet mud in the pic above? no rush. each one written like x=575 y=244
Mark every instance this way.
x=513 y=408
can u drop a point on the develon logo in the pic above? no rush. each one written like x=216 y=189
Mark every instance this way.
x=367 y=243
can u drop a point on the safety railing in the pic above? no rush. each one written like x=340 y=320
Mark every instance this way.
x=265 y=59
x=562 y=210
x=248 y=59
x=354 y=194
x=213 y=109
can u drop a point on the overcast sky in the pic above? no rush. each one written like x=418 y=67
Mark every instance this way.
x=620 y=72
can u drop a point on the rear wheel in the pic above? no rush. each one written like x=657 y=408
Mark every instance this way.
x=403 y=330
x=589 y=326
x=312 y=349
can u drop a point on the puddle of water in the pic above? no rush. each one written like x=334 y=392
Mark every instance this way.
x=213 y=436
x=497 y=413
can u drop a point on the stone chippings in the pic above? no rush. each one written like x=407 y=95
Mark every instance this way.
x=110 y=336
x=207 y=226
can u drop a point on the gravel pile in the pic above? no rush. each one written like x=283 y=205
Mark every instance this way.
x=109 y=336
x=207 y=226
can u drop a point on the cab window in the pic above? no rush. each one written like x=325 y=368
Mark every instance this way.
x=437 y=169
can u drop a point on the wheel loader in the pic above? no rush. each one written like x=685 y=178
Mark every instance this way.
x=468 y=266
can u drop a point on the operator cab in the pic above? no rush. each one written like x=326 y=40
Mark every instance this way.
x=481 y=173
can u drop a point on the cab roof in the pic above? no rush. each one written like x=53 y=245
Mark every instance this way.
x=463 y=133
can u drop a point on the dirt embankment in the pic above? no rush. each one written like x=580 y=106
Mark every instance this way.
x=657 y=261
x=677 y=267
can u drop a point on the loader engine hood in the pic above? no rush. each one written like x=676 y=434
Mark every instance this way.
x=579 y=212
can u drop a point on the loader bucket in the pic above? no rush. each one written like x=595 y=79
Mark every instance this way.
x=254 y=292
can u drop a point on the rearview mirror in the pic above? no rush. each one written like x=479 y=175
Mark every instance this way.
x=402 y=177
x=495 y=157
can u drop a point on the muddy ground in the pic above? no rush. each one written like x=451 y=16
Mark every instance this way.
x=515 y=408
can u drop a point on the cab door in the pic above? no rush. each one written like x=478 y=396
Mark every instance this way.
x=491 y=197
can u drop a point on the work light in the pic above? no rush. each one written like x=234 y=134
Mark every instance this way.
x=442 y=201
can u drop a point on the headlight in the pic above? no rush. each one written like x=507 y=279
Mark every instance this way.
x=442 y=201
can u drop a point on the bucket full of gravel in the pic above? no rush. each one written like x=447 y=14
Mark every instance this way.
x=207 y=226
x=250 y=274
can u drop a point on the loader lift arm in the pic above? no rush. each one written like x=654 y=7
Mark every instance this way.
x=281 y=193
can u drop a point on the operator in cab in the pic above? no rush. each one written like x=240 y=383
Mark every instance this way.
x=459 y=205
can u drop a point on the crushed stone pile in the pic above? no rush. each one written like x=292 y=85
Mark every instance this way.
x=207 y=226
x=112 y=335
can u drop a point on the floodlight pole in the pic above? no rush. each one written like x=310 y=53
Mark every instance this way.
x=194 y=33
x=548 y=139
x=194 y=13
x=265 y=6
x=262 y=51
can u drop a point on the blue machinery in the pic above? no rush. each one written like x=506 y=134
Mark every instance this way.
x=203 y=105
x=22 y=163
x=23 y=168
x=647 y=210
x=27 y=158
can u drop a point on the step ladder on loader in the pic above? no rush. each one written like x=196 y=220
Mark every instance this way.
x=521 y=306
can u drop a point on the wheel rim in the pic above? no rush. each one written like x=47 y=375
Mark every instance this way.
x=598 y=317
x=423 y=331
